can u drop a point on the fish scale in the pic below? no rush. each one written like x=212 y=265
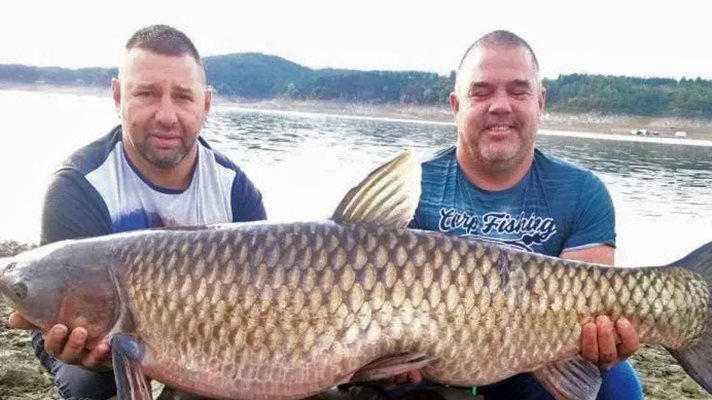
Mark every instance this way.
x=363 y=305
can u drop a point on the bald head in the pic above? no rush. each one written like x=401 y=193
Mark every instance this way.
x=494 y=40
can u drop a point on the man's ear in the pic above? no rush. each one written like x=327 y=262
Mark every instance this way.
x=454 y=103
x=542 y=99
x=116 y=92
x=208 y=99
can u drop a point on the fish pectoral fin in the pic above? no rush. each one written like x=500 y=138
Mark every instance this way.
x=571 y=379
x=126 y=354
x=387 y=197
x=386 y=367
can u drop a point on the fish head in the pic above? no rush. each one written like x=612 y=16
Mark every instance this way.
x=61 y=285
x=30 y=290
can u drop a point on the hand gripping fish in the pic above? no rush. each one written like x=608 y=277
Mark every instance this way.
x=284 y=311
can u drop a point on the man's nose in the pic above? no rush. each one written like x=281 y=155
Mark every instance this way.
x=166 y=114
x=500 y=102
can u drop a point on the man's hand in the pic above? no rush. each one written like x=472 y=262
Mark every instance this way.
x=406 y=378
x=68 y=347
x=604 y=345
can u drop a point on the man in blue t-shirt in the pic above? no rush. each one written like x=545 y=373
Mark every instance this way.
x=495 y=185
x=151 y=171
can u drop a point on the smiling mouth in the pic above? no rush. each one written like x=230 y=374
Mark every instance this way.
x=499 y=128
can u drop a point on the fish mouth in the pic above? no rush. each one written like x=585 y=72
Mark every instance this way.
x=6 y=279
x=6 y=265
x=11 y=286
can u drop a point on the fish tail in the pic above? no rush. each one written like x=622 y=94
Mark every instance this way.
x=696 y=360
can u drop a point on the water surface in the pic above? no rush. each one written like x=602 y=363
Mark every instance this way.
x=304 y=162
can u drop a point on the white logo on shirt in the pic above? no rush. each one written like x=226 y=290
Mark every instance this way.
x=528 y=230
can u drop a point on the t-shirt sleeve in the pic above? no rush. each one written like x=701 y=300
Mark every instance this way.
x=72 y=209
x=246 y=200
x=417 y=221
x=594 y=219
x=426 y=183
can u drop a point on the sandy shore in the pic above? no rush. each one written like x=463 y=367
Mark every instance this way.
x=22 y=377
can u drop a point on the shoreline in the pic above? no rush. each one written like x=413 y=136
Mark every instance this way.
x=696 y=129
x=593 y=123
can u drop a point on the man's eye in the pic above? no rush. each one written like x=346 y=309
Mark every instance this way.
x=519 y=90
x=480 y=93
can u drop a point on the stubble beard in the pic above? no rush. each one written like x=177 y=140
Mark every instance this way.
x=164 y=159
x=503 y=157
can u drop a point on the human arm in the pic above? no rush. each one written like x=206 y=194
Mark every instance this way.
x=71 y=209
x=603 y=342
x=246 y=200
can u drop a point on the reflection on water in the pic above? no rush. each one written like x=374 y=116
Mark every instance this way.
x=652 y=172
x=303 y=163
x=662 y=192
x=281 y=132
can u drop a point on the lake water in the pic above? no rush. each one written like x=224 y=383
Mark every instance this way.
x=303 y=163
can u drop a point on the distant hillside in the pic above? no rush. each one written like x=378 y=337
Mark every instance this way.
x=260 y=76
x=629 y=95
x=56 y=76
x=253 y=75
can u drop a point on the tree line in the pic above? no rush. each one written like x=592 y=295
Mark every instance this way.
x=260 y=76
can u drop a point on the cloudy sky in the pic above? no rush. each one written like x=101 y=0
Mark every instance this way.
x=622 y=37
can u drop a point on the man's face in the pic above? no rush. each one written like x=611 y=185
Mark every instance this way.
x=498 y=103
x=163 y=102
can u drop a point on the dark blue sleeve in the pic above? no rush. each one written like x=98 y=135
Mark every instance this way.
x=426 y=190
x=416 y=222
x=246 y=200
x=72 y=209
x=594 y=221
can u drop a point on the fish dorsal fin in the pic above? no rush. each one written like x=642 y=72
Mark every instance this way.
x=574 y=379
x=387 y=197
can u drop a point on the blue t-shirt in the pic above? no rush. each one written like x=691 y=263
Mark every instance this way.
x=556 y=207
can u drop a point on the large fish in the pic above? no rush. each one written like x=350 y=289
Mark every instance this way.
x=284 y=311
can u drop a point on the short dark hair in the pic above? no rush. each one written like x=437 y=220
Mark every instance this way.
x=500 y=38
x=165 y=40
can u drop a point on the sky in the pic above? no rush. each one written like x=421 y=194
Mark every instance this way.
x=624 y=37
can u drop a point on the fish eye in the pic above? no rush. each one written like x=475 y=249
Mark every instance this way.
x=20 y=290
